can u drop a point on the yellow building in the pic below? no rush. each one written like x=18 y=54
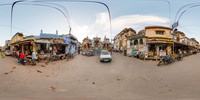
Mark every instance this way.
x=158 y=41
x=17 y=37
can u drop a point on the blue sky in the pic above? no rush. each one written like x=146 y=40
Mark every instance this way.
x=90 y=19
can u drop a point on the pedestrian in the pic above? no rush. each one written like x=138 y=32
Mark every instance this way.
x=79 y=50
x=110 y=51
x=2 y=54
x=20 y=56
x=33 y=58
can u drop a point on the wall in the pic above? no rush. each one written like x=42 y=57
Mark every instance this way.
x=152 y=32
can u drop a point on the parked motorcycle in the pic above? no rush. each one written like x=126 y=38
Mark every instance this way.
x=23 y=61
x=89 y=53
x=166 y=60
x=179 y=57
x=69 y=56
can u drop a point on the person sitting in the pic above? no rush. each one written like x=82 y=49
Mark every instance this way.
x=42 y=52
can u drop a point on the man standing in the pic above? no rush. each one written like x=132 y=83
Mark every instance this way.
x=79 y=50
x=20 y=56
x=33 y=58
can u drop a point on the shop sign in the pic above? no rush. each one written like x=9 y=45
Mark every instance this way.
x=163 y=39
x=128 y=44
x=162 y=53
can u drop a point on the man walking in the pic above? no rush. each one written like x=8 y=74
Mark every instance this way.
x=33 y=58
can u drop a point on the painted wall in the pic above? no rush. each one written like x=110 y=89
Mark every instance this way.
x=151 y=32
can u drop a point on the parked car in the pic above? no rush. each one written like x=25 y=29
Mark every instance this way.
x=105 y=56
x=7 y=52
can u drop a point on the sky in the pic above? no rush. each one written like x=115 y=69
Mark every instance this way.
x=92 y=19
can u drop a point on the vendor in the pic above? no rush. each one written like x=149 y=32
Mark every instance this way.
x=41 y=52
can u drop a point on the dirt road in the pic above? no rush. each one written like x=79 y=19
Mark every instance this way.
x=86 y=78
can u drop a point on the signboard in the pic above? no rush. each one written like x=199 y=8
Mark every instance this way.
x=174 y=25
x=128 y=44
x=162 y=53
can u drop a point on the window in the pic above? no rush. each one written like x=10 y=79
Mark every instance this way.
x=160 y=32
x=131 y=42
x=135 y=42
x=141 y=41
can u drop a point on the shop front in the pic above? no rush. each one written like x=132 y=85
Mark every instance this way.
x=159 y=48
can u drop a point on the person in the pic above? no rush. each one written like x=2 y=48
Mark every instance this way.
x=41 y=52
x=33 y=58
x=79 y=50
x=20 y=56
x=2 y=54
x=110 y=51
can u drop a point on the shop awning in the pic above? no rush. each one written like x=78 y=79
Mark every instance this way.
x=159 y=42
x=42 y=41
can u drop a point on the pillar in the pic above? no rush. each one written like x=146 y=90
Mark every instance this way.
x=157 y=52
x=23 y=49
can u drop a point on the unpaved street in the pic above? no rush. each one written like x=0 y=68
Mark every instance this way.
x=86 y=78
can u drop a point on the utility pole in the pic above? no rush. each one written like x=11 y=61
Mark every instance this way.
x=174 y=27
x=70 y=39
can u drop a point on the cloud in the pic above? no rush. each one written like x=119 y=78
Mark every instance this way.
x=101 y=26
x=137 y=22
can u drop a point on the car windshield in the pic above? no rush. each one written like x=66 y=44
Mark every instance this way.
x=104 y=53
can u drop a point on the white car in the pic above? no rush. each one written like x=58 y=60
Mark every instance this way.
x=105 y=56
x=7 y=52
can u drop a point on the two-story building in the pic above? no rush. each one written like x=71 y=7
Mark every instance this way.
x=17 y=37
x=120 y=41
x=158 y=41
x=136 y=43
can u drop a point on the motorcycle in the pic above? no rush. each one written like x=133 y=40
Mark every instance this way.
x=166 y=60
x=179 y=57
x=89 y=53
x=23 y=61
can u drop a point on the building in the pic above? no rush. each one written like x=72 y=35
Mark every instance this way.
x=106 y=44
x=96 y=43
x=87 y=44
x=46 y=44
x=158 y=41
x=136 y=43
x=151 y=43
x=17 y=37
x=71 y=40
x=120 y=40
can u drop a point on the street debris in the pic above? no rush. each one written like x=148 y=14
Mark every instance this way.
x=8 y=72
x=53 y=88
x=39 y=71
